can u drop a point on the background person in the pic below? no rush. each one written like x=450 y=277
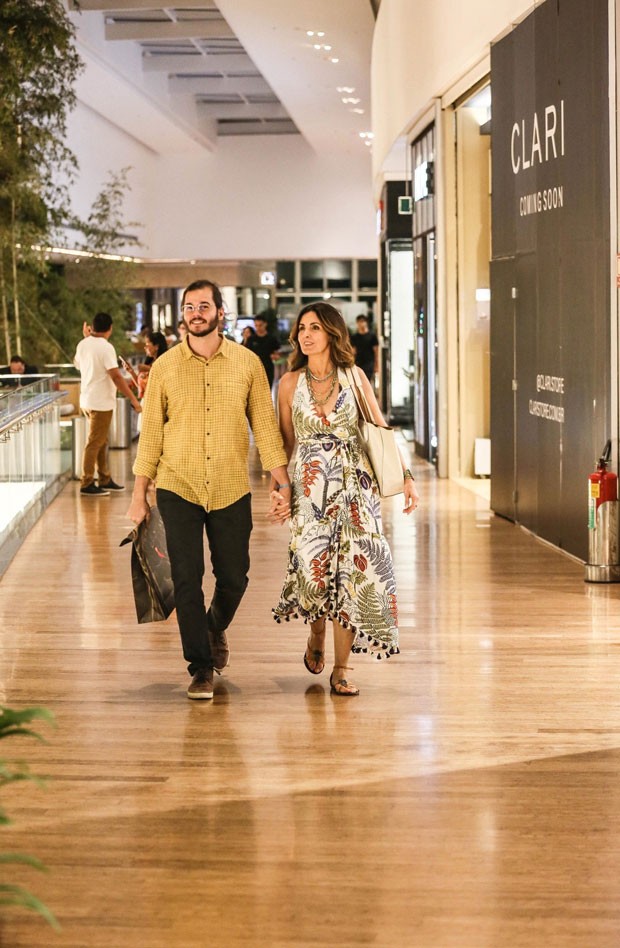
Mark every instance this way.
x=16 y=368
x=97 y=362
x=156 y=344
x=247 y=333
x=194 y=443
x=265 y=345
x=366 y=347
x=340 y=565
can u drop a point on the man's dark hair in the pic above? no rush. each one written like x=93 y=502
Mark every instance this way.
x=102 y=322
x=15 y=359
x=203 y=285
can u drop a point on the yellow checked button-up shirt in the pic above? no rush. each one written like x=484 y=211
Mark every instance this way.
x=194 y=437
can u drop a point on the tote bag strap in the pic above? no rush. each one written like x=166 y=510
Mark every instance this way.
x=358 y=393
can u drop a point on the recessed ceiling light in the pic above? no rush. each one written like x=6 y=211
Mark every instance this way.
x=317 y=46
x=321 y=33
x=334 y=59
x=309 y=32
x=359 y=111
x=346 y=89
x=349 y=101
x=327 y=48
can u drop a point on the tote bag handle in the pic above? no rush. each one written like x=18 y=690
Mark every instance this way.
x=358 y=393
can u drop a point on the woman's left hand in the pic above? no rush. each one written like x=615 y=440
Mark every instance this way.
x=412 y=498
x=280 y=508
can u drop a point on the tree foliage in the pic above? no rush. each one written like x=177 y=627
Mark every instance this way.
x=38 y=68
x=41 y=313
x=57 y=299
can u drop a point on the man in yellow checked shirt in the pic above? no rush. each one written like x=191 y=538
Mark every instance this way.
x=194 y=443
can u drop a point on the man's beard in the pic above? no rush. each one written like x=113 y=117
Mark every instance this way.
x=207 y=330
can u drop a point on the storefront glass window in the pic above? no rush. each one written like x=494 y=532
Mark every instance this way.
x=285 y=275
x=312 y=274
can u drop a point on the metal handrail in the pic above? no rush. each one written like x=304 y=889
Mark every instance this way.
x=33 y=405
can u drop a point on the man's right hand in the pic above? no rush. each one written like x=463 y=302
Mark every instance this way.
x=138 y=510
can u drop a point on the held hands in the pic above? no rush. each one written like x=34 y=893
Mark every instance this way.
x=412 y=498
x=280 y=507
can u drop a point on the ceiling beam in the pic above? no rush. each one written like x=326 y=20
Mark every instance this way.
x=129 y=6
x=242 y=110
x=144 y=31
x=195 y=63
x=174 y=128
x=258 y=128
x=194 y=85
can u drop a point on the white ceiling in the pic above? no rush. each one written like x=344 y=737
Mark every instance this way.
x=243 y=67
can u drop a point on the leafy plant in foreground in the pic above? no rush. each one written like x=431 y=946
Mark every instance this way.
x=12 y=724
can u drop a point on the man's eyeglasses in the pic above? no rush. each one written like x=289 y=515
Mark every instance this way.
x=188 y=309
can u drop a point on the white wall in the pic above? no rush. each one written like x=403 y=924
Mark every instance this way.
x=267 y=197
x=102 y=147
x=261 y=197
x=420 y=48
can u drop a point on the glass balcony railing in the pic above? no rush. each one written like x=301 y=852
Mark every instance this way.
x=31 y=459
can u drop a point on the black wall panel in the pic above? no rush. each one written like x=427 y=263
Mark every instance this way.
x=502 y=400
x=550 y=208
x=527 y=427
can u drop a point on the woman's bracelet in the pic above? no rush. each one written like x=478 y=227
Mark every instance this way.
x=407 y=475
x=278 y=486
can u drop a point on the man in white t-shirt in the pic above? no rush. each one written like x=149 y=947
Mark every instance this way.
x=96 y=359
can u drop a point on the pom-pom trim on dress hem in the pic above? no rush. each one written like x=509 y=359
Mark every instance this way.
x=376 y=647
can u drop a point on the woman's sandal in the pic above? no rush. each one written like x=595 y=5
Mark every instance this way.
x=316 y=656
x=339 y=686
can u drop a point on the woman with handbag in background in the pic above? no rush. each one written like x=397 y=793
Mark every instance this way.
x=340 y=565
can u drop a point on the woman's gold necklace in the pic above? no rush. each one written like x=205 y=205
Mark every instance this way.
x=317 y=378
x=313 y=397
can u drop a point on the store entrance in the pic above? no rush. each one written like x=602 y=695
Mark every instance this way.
x=424 y=376
x=401 y=333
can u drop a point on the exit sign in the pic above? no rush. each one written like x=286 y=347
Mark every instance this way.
x=405 y=205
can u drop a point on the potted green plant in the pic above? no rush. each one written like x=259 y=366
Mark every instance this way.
x=12 y=724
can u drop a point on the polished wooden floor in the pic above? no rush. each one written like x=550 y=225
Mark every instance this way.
x=469 y=798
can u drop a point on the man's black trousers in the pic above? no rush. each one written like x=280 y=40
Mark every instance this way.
x=228 y=533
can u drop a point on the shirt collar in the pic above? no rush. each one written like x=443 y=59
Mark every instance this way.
x=224 y=349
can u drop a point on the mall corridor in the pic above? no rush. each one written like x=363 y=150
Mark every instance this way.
x=469 y=797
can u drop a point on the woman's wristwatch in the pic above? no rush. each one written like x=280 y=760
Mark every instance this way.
x=407 y=475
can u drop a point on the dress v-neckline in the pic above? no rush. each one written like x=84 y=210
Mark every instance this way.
x=313 y=407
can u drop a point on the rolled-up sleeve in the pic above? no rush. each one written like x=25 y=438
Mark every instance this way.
x=263 y=422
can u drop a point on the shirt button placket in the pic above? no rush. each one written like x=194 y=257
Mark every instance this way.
x=207 y=433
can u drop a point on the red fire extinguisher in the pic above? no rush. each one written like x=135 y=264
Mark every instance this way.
x=602 y=486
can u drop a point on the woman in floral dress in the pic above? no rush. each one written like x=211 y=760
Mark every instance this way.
x=340 y=565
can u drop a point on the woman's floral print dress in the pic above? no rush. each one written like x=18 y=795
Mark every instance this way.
x=340 y=565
